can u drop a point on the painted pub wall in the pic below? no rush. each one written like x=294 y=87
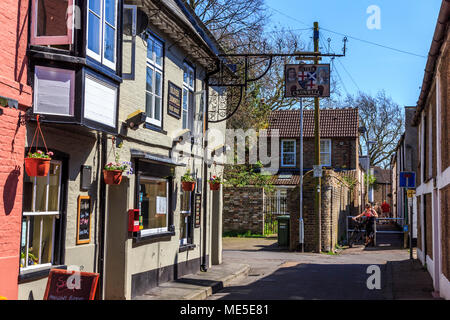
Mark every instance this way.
x=13 y=85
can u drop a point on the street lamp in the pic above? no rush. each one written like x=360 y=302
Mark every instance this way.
x=368 y=166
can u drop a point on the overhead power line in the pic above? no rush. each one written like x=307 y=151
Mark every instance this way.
x=352 y=37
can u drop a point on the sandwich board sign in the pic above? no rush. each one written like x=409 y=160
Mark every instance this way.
x=407 y=180
x=307 y=80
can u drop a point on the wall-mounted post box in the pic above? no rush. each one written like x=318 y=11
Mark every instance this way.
x=133 y=220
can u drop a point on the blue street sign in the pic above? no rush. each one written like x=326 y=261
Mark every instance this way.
x=407 y=180
x=405 y=228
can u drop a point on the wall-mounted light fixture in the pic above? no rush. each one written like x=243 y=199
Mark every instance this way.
x=86 y=176
x=135 y=119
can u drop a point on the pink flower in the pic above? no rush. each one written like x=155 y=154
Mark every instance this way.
x=39 y=151
x=50 y=153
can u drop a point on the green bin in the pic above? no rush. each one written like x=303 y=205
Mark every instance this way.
x=283 y=231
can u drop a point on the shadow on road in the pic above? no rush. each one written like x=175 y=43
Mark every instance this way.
x=311 y=282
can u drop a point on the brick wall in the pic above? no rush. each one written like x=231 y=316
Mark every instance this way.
x=337 y=204
x=13 y=85
x=243 y=209
x=445 y=230
x=445 y=112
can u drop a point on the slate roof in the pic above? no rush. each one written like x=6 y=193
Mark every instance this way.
x=333 y=123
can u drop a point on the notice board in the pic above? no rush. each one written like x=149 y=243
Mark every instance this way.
x=70 y=285
x=84 y=220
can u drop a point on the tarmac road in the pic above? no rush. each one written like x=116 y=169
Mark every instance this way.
x=282 y=275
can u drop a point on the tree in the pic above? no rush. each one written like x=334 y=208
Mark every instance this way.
x=384 y=123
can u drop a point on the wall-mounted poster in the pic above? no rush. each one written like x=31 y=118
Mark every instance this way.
x=307 y=80
x=175 y=100
x=84 y=220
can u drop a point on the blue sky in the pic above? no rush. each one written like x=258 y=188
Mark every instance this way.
x=406 y=25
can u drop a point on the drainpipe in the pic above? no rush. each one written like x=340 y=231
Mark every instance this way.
x=102 y=209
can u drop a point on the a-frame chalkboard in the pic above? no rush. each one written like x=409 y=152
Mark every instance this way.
x=70 y=285
x=84 y=220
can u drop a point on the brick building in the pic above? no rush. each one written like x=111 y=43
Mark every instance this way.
x=15 y=100
x=432 y=119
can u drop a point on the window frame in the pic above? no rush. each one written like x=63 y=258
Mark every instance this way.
x=100 y=57
x=156 y=68
x=292 y=152
x=51 y=40
x=42 y=214
x=187 y=216
x=190 y=89
x=327 y=152
x=155 y=231
x=131 y=75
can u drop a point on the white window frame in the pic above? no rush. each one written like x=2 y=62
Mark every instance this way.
x=42 y=214
x=283 y=153
x=156 y=68
x=101 y=56
x=186 y=216
x=325 y=152
x=189 y=88
x=278 y=195
x=151 y=231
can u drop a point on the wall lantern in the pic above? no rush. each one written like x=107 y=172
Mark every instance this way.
x=86 y=176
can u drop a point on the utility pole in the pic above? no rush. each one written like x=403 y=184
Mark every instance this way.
x=317 y=148
x=301 y=224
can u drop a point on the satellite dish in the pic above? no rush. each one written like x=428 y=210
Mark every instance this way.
x=129 y=28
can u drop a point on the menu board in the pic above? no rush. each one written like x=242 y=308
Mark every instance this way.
x=175 y=100
x=84 y=220
x=70 y=285
x=198 y=209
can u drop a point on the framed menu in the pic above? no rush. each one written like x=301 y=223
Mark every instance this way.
x=198 y=209
x=175 y=100
x=84 y=220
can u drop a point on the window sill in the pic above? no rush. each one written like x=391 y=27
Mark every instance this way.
x=152 y=237
x=186 y=247
x=36 y=274
x=154 y=128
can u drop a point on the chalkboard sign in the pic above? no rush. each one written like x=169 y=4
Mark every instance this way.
x=198 y=209
x=84 y=220
x=70 y=285
x=174 y=98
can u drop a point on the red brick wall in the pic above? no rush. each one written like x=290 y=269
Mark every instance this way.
x=445 y=112
x=13 y=79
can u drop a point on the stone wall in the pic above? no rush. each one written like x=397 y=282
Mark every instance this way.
x=243 y=209
x=338 y=202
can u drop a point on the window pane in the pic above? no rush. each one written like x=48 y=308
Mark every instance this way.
x=51 y=18
x=94 y=33
x=158 y=83
x=41 y=194
x=157 y=48
x=325 y=145
x=185 y=75
x=325 y=159
x=110 y=40
x=288 y=146
x=186 y=202
x=157 y=108
x=53 y=190
x=110 y=12
x=47 y=239
x=151 y=193
x=149 y=80
x=150 y=49
x=27 y=192
x=149 y=105
x=183 y=230
x=185 y=99
x=23 y=243
x=185 y=119
x=94 y=5
x=34 y=240
x=191 y=78
x=288 y=159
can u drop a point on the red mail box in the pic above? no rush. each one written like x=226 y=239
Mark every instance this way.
x=133 y=220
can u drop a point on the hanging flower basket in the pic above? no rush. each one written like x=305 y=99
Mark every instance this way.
x=112 y=176
x=214 y=186
x=188 y=186
x=187 y=181
x=38 y=164
x=214 y=183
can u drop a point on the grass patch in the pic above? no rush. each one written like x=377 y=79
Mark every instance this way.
x=242 y=234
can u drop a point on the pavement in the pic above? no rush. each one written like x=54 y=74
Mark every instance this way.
x=200 y=285
x=270 y=272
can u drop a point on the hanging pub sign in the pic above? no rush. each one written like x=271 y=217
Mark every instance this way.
x=174 y=98
x=307 y=80
x=198 y=209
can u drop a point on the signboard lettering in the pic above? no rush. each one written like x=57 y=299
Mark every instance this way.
x=84 y=220
x=307 y=80
x=175 y=100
